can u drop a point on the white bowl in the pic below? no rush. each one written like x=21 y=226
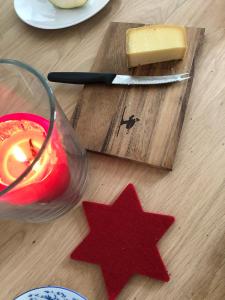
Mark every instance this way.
x=50 y=293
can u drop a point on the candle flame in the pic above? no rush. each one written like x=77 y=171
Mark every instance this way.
x=37 y=166
x=19 y=154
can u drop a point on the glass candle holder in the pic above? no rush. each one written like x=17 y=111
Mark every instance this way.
x=42 y=167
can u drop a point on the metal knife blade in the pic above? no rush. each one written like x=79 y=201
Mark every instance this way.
x=149 y=80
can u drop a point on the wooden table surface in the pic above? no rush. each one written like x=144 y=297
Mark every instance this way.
x=194 y=192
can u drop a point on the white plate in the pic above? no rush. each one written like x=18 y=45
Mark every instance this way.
x=43 y=14
x=50 y=293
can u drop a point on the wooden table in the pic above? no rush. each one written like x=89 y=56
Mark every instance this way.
x=194 y=249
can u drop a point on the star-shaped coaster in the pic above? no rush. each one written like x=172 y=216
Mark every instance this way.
x=122 y=240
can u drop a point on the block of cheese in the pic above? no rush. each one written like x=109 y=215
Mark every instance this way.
x=155 y=43
x=68 y=3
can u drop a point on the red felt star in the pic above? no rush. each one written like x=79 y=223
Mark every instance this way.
x=122 y=240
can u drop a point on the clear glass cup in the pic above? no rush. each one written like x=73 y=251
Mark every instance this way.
x=42 y=167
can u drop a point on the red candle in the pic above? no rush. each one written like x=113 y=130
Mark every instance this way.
x=21 y=137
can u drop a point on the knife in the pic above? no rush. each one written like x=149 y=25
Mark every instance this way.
x=111 y=78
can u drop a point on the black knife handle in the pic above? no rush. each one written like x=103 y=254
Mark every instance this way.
x=81 y=77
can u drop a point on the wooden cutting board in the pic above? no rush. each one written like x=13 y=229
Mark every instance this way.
x=135 y=122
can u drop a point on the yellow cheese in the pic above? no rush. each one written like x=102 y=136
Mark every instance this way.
x=155 y=43
x=68 y=3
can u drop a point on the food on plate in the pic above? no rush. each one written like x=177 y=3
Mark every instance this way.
x=68 y=3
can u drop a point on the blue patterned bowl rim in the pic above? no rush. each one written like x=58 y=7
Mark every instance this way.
x=54 y=287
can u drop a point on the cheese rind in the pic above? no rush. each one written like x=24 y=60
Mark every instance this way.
x=155 y=43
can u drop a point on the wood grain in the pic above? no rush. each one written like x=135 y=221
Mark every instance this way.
x=157 y=112
x=194 y=192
